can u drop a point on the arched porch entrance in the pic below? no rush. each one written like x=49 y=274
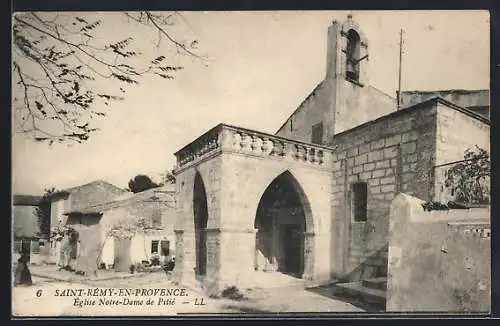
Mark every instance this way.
x=200 y=225
x=283 y=222
x=252 y=187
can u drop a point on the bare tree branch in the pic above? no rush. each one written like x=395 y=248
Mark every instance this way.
x=62 y=61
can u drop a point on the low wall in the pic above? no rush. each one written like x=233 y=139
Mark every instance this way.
x=439 y=261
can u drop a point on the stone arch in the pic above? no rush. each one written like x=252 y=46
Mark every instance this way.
x=351 y=24
x=353 y=50
x=285 y=228
x=200 y=219
x=291 y=176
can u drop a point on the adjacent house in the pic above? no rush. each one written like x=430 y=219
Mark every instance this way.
x=66 y=200
x=126 y=230
x=477 y=101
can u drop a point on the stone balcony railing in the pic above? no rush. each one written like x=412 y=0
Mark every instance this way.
x=239 y=140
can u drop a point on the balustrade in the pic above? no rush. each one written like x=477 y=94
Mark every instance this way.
x=251 y=142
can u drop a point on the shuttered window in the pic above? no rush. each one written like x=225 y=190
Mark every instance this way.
x=154 y=246
x=359 y=201
x=317 y=133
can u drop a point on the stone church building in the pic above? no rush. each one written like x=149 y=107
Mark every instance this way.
x=312 y=201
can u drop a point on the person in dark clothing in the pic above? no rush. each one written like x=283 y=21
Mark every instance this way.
x=22 y=273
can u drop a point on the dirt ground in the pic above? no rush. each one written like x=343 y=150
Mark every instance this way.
x=44 y=298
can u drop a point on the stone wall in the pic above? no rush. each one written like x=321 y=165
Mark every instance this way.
x=25 y=221
x=156 y=206
x=314 y=109
x=451 y=145
x=356 y=105
x=393 y=153
x=58 y=207
x=439 y=261
x=89 y=238
x=457 y=132
x=185 y=243
x=159 y=214
x=338 y=104
x=464 y=98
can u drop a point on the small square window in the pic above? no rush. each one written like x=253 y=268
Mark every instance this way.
x=165 y=248
x=154 y=246
x=317 y=133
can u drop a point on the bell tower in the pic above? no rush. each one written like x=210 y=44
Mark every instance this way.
x=344 y=99
x=347 y=54
x=346 y=80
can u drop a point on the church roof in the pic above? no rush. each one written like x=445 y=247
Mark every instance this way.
x=68 y=191
x=164 y=194
x=422 y=105
x=26 y=200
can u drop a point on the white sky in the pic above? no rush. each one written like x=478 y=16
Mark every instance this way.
x=261 y=66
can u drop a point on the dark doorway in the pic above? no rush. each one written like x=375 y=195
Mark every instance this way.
x=292 y=248
x=281 y=223
x=200 y=225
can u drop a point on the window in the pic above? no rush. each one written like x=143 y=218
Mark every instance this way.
x=165 y=248
x=359 y=201
x=352 y=55
x=317 y=133
x=154 y=246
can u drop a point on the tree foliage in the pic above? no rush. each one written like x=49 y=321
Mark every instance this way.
x=42 y=212
x=126 y=228
x=469 y=180
x=141 y=182
x=58 y=57
x=168 y=178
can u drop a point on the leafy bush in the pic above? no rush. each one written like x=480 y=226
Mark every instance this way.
x=140 y=268
x=469 y=179
x=434 y=206
x=232 y=293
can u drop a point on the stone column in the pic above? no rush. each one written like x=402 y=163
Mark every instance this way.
x=308 y=256
x=260 y=259
x=213 y=241
x=321 y=256
x=237 y=249
x=273 y=261
x=185 y=259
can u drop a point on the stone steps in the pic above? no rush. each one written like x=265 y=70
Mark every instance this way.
x=378 y=283
x=368 y=292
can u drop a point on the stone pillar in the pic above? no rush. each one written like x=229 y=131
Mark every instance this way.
x=321 y=256
x=308 y=256
x=213 y=241
x=185 y=259
x=273 y=264
x=237 y=250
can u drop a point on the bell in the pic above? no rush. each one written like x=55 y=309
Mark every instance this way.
x=351 y=71
x=350 y=68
